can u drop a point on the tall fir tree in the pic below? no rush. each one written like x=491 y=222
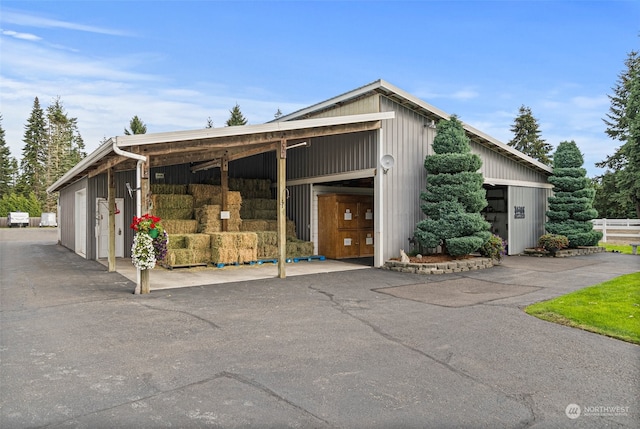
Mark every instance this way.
x=32 y=173
x=7 y=165
x=623 y=122
x=64 y=149
x=571 y=207
x=136 y=126
x=236 y=118
x=454 y=195
x=527 y=136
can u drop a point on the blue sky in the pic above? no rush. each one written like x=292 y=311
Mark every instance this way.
x=177 y=63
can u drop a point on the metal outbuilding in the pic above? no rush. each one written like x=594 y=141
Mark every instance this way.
x=369 y=141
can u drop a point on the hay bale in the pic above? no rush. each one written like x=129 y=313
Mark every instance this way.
x=184 y=214
x=170 y=201
x=198 y=241
x=161 y=188
x=177 y=257
x=251 y=188
x=177 y=241
x=299 y=248
x=234 y=247
x=180 y=226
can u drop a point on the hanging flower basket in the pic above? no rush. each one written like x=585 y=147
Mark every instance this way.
x=149 y=242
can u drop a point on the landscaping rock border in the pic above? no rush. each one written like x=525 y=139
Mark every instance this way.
x=439 y=267
x=564 y=253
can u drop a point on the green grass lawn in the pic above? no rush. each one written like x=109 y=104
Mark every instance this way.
x=611 y=308
x=622 y=248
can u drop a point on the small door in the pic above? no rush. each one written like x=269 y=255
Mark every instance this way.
x=348 y=215
x=365 y=215
x=102 y=228
x=366 y=243
x=348 y=244
x=80 y=218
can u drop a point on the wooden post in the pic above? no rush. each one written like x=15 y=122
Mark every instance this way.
x=224 y=182
x=282 y=206
x=111 y=203
x=145 y=191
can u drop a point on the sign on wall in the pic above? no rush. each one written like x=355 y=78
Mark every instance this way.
x=518 y=212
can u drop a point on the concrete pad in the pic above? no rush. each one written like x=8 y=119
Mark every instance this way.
x=162 y=278
x=461 y=292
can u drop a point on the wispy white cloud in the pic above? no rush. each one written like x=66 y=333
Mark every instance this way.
x=31 y=20
x=22 y=36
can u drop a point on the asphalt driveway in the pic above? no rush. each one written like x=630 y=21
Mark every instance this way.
x=366 y=348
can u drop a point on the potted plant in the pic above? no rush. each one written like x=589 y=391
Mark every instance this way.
x=553 y=242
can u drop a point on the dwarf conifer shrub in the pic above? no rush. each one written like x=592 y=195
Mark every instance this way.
x=454 y=195
x=571 y=207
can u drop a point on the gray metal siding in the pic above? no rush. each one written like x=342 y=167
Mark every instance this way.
x=408 y=140
x=66 y=214
x=299 y=209
x=497 y=166
x=333 y=155
x=525 y=232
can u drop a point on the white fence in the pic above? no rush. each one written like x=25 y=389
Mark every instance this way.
x=626 y=229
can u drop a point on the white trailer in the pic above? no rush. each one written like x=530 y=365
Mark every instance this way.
x=19 y=219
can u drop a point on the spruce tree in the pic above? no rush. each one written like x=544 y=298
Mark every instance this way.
x=236 y=117
x=136 y=126
x=64 y=148
x=623 y=124
x=32 y=171
x=571 y=207
x=454 y=194
x=7 y=165
x=527 y=136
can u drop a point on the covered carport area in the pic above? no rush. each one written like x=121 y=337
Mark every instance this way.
x=202 y=149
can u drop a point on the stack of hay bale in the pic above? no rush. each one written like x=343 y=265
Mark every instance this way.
x=175 y=209
x=234 y=247
x=208 y=205
x=188 y=250
x=252 y=224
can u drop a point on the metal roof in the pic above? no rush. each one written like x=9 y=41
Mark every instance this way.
x=431 y=112
x=205 y=145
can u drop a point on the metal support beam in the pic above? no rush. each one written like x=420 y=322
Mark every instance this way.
x=282 y=206
x=111 y=203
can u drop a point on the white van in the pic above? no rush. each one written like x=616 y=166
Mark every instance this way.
x=19 y=219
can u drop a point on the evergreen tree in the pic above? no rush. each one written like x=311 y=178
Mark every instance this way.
x=32 y=174
x=571 y=207
x=136 y=126
x=64 y=148
x=13 y=202
x=236 y=117
x=454 y=195
x=7 y=165
x=623 y=124
x=527 y=137
x=609 y=201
